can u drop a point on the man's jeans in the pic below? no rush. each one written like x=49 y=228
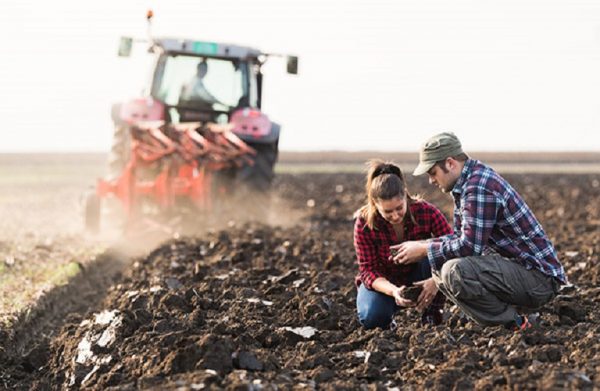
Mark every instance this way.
x=491 y=289
x=376 y=309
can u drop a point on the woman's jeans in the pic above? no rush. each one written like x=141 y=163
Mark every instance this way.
x=377 y=309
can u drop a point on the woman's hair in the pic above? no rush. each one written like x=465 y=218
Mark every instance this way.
x=384 y=182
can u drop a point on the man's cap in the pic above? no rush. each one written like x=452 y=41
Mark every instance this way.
x=438 y=147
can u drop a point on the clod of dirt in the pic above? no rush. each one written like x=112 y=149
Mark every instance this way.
x=412 y=293
x=571 y=310
x=35 y=358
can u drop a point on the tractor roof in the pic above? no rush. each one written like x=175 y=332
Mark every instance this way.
x=206 y=48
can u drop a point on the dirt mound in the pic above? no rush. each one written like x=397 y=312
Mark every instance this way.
x=257 y=306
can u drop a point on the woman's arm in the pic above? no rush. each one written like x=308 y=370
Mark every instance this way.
x=366 y=254
x=382 y=285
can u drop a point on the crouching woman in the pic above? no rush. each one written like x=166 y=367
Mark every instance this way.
x=390 y=217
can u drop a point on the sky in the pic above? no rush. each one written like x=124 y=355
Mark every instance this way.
x=374 y=74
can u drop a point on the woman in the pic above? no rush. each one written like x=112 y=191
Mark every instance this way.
x=392 y=216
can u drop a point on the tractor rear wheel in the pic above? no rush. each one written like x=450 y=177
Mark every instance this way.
x=255 y=181
x=260 y=176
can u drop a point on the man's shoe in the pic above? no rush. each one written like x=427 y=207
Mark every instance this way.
x=523 y=322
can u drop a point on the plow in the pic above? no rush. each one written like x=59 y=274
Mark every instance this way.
x=170 y=162
x=195 y=138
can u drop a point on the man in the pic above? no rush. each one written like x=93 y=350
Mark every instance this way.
x=499 y=259
x=196 y=91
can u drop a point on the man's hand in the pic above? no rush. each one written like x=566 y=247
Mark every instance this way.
x=401 y=301
x=427 y=294
x=408 y=252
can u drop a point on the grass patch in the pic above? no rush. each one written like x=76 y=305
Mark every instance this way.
x=63 y=274
x=21 y=287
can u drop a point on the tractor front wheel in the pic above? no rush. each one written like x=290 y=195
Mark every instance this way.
x=92 y=213
x=120 y=151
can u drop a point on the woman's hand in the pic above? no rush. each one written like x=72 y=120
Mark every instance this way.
x=427 y=294
x=408 y=252
x=401 y=301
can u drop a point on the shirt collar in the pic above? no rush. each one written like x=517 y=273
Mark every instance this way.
x=464 y=175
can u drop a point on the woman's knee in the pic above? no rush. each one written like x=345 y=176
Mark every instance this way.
x=374 y=309
x=373 y=316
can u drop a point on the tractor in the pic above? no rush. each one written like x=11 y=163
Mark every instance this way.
x=196 y=138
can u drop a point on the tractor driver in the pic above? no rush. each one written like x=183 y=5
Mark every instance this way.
x=194 y=91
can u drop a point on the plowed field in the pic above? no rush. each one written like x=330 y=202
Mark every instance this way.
x=258 y=306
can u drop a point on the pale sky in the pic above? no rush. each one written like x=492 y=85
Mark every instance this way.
x=374 y=74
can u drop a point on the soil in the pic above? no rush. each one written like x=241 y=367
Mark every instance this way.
x=258 y=306
x=412 y=293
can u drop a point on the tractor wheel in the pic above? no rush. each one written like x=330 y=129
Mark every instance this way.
x=92 y=213
x=119 y=156
x=259 y=176
x=120 y=151
x=256 y=182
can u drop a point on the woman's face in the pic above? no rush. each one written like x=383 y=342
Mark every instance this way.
x=392 y=210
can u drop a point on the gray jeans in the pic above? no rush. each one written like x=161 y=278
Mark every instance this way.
x=491 y=289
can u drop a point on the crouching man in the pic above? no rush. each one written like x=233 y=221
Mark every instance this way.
x=499 y=261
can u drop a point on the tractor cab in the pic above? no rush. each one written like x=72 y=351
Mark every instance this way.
x=201 y=81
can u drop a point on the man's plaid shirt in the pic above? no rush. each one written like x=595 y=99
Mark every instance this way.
x=490 y=214
x=372 y=247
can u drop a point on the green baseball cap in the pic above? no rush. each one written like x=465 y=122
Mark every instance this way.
x=438 y=147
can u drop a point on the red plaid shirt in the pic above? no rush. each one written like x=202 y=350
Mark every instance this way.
x=373 y=246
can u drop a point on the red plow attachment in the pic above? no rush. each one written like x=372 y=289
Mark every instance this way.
x=171 y=162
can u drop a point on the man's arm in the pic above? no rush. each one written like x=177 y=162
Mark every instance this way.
x=479 y=215
x=414 y=251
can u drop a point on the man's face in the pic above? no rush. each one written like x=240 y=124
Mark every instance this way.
x=442 y=177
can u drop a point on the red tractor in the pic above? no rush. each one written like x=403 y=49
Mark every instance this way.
x=198 y=136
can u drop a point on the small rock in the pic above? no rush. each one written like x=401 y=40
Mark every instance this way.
x=321 y=375
x=247 y=360
x=173 y=283
x=305 y=332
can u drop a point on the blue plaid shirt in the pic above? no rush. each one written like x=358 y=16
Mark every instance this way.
x=490 y=216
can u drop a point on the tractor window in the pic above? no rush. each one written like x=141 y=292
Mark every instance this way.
x=215 y=83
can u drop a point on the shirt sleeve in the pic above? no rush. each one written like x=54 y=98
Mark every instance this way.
x=479 y=212
x=439 y=225
x=366 y=254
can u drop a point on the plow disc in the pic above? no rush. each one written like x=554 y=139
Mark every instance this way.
x=170 y=163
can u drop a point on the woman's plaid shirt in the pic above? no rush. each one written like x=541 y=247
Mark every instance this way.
x=373 y=246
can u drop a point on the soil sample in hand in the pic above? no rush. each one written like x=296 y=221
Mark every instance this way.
x=412 y=293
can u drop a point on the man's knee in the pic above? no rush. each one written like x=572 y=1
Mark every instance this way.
x=451 y=275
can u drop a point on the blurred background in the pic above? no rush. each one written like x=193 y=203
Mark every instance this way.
x=374 y=74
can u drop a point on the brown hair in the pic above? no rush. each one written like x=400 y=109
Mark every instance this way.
x=384 y=182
